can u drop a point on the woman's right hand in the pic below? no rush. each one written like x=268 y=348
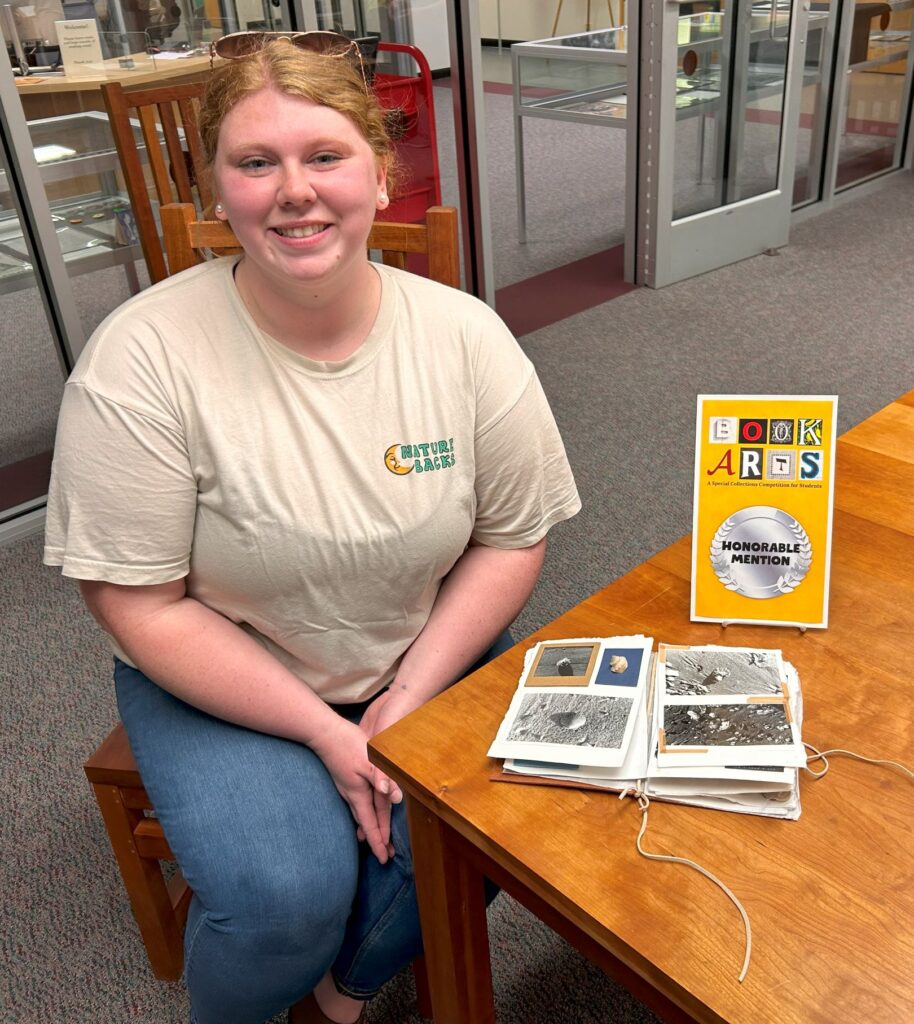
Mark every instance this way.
x=344 y=751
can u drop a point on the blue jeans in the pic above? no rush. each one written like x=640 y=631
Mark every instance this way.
x=283 y=891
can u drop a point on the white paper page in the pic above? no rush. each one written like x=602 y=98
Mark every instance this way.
x=589 y=722
x=780 y=804
x=769 y=807
x=605 y=778
x=629 y=772
x=773 y=775
x=711 y=694
x=718 y=787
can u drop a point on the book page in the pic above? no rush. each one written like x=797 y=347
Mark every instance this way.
x=577 y=703
x=724 y=707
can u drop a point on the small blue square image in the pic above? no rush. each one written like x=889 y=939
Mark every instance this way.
x=629 y=677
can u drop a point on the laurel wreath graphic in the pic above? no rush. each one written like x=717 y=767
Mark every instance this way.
x=800 y=565
x=719 y=559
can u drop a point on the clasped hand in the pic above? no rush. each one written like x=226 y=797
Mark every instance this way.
x=365 y=788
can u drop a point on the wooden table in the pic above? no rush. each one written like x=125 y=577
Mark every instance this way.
x=53 y=95
x=830 y=897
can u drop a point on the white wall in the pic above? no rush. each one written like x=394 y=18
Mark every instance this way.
x=429 y=19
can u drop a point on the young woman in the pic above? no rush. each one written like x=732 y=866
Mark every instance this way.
x=303 y=494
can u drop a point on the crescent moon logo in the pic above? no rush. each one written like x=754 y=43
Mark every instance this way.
x=393 y=463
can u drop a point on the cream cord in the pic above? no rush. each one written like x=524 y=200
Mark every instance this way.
x=824 y=755
x=644 y=804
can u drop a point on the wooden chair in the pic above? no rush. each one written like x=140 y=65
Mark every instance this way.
x=186 y=239
x=167 y=113
x=159 y=906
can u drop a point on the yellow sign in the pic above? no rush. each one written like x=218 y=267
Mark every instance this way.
x=764 y=486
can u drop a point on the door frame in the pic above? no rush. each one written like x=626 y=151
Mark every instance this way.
x=669 y=250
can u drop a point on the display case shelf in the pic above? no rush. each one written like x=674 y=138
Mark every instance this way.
x=94 y=228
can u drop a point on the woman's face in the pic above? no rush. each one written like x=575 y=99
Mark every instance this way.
x=300 y=186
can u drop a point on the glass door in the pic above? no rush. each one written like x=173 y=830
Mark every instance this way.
x=31 y=371
x=815 y=102
x=874 y=104
x=717 y=139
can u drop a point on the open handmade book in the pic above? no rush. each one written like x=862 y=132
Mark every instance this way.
x=712 y=726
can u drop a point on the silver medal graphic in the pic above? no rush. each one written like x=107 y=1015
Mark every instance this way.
x=761 y=552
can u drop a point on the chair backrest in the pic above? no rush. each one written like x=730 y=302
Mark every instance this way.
x=166 y=113
x=187 y=238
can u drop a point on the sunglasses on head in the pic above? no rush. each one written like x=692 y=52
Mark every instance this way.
x=238 y=45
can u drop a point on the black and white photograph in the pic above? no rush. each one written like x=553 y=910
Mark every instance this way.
x=565 y=664
x=571 y=719
x=725 y=725
x=717 y=673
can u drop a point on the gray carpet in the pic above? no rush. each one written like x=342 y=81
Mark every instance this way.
x=832 y=313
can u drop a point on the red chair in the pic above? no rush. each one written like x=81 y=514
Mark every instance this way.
x=416 y=142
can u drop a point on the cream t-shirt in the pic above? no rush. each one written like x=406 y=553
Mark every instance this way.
x=317 y=504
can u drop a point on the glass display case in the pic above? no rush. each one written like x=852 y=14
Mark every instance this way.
x=92 y=216
x=572 y=78
x=873 y=107
x=583 y=78
x=140 y=34
x=580 y=78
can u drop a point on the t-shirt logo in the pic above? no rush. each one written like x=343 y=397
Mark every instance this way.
x=393 y=463
x=424 y=457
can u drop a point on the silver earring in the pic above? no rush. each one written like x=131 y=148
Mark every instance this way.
x=383 y=197
x=220 y=208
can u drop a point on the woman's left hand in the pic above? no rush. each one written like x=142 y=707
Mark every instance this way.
x=482 y=594
x=382 y=712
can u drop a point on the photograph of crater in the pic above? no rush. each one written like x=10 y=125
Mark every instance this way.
x=579 y=720
x=725 y=725
x=707 y=673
